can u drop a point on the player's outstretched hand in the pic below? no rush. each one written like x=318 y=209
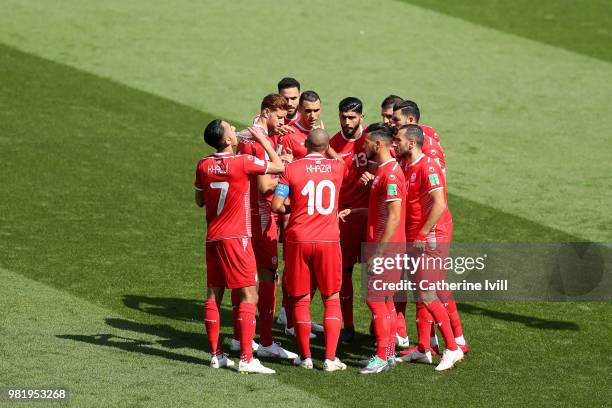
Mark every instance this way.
x=366 y=178
x=343 y=214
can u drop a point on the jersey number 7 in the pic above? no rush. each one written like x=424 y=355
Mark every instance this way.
x=224 y=186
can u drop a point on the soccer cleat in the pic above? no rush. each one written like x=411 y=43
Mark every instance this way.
x=291 y=332
x=276 y=351
x=235 y=345
x=305 y=363
x=375 y=365
x=333 y=365
x=449 y=358
x=282 y=317
x=347 y=335
x=391 y=361
x=417 y=357
x=316 y=328
x=254 y=366
x=402 y=342
x=221 y=360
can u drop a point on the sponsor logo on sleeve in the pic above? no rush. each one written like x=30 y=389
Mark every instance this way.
x=391 y=189
x=434 y=180
x=259 y=162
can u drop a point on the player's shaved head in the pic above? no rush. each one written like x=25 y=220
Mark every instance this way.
x=317 y=141
x=412 y=132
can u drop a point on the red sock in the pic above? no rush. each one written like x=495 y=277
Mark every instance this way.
x=453 y=315
x=235 y=305
x=381 y=327
x=392 y=327
x=212 y=321
x=440 y=316
x=400 y=309
x=424 y=322
x=332 y=323
x=246 y=319
x=288 y=305
x=265 y=305
x=346 y=300
x=301 y=312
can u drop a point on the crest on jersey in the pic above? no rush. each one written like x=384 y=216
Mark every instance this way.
x=413 y=177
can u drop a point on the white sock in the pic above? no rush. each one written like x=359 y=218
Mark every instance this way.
x=460 y=340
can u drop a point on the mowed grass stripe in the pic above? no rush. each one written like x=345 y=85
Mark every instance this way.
x=585 y=30
x=54 y=339
x=509 y=110
x=113 y=223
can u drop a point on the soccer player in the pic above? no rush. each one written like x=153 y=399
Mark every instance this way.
x=386 y=108
x=290 y=89
x=309 y=110
x=429 y=228
x=312 y=248
x=407 y=112
x=348 y=144
x=265 y=239
x=221 y=185
x=385 y=230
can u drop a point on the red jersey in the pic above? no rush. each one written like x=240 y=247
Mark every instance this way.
x=436 y=153
x=430 y=132
x=423 y=177
x=313 y=185
x=223 y=178
x=295 y=140
x=388 y=185
x=294 y=119
x=259 y=203
x=353 y=193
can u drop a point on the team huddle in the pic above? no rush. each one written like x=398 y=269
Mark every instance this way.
x=381 y=187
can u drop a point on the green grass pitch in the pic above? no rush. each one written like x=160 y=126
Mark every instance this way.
x=101 y=246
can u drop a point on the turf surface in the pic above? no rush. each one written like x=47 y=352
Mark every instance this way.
x=101 y=246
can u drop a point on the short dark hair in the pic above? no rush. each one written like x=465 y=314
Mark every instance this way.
x=350 y=104
x=214 y=133
x=288 y=82
x=413 y=132
x=381 y=131
x=309 y=96
x=390 y=100
x=408 y=108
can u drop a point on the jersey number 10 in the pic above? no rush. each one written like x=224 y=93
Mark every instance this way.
x=315 y=196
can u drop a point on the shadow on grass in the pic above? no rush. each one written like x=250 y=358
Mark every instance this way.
x=131 y=345
x=529 y=321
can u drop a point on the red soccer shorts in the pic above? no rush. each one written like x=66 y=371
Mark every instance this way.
x=311 y=265
x=352 y=234
x=265 y=241
x=230 y=263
